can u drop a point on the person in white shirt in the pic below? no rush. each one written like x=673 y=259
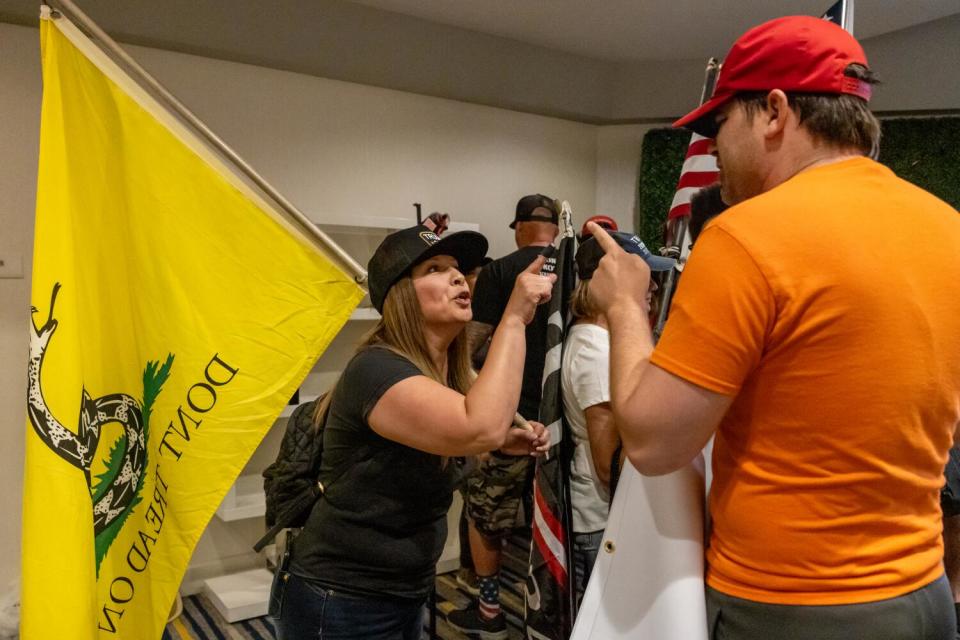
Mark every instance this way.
x=585 y=380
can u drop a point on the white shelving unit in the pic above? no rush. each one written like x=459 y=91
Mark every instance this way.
x=240 y=596
x=364 y=314
x=244 y=500
x=244 y=595
x=363 y=225
x=370 y=225
x=288 y=410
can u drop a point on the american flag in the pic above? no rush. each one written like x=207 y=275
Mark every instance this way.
x=699 y=171
x=549 y=608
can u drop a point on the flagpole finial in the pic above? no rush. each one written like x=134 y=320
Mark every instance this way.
x=566 y=221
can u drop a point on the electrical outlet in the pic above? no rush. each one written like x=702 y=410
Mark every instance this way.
x=11 y=265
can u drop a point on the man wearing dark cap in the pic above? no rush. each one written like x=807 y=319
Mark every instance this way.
x=494 y=491
x=825 y=359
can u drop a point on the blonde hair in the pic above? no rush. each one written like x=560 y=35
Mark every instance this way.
x=400 y=330
x=581 y=305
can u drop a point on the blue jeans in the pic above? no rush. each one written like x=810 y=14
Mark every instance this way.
x=301 y=609
x=586 y=546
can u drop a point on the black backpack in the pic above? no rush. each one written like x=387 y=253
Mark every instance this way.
x=292 y=483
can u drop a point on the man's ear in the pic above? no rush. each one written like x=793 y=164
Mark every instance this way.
x=776 y=114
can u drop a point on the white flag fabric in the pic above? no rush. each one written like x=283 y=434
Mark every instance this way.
x=647 y=583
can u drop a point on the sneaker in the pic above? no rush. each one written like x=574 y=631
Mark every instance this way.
x=469 y=622
x=468 y=581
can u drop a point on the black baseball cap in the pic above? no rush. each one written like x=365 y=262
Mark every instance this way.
x=402 y=250
x=528 y=204
x=590 y=253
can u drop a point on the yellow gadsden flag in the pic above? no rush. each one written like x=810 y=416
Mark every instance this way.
x=174 y=313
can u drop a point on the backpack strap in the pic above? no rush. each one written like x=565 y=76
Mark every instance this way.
x=305 y=502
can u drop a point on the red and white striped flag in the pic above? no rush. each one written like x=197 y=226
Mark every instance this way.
x=699 y=171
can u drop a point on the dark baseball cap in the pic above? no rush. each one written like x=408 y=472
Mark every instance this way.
x=590 y=253
x=527 y=210
x=402 y=250
x=794 y=54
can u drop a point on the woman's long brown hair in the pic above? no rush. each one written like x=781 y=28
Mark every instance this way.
x=400 y=330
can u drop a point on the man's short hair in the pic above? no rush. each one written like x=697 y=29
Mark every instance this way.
x=841 y=120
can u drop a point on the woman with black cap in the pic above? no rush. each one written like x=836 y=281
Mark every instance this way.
x=409 y=400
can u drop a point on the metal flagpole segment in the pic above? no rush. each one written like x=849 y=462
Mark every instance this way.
x=72 y=11
x=841 y=14
x=566 y=220
x=848 y=16
x=711 y=74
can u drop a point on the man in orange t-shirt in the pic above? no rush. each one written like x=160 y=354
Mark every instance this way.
x=823 y=356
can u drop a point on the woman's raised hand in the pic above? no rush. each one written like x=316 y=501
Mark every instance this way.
x=530 y=289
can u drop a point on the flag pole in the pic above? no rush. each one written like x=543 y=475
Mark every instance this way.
x=567 y=445
x=75 y=13
x=847 y=20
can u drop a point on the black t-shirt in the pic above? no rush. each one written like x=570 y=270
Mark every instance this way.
x=381 y=527
x=950 y=494
x=493 y=289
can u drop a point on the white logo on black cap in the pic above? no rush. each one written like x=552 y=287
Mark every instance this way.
x=430 y=237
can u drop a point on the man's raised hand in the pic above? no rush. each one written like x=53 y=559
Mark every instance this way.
x=621 y=279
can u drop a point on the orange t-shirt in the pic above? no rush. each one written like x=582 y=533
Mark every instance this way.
x=830 y=308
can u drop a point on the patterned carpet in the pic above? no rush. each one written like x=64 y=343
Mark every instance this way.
x=201 y=621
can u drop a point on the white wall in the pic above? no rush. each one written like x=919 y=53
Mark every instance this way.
x=917 y=66
x=337 y=149
x=19 y=137
x=618 y=170
x=334 y=148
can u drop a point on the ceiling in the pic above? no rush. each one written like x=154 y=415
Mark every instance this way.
x=599 y=61
x=631 y=30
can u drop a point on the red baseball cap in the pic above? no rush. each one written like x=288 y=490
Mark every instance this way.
x=606 y=222
x=794 y=53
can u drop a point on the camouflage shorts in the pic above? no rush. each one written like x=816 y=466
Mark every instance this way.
x=492 y=493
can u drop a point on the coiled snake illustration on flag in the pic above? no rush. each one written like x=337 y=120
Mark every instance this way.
x=116 y=491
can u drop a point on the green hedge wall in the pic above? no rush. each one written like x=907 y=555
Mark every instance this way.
x=925 y=151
